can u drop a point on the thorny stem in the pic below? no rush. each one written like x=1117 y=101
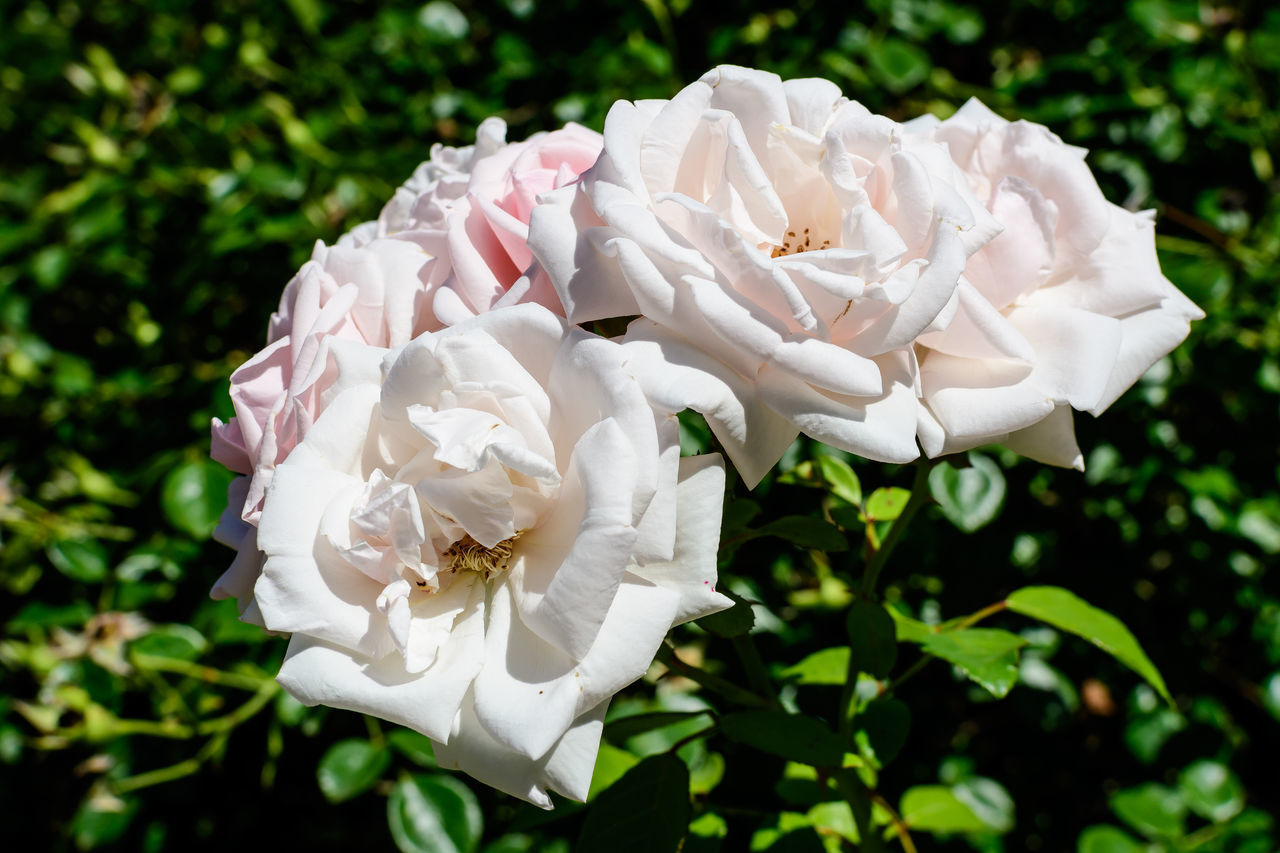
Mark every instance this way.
x=880 y=556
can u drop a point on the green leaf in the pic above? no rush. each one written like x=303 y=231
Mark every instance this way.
x=434 y=814
x=907 y=629
x=840 y=478
x=622 y=728
x=193 y=496
x=1107 y=839
x=791 y=736
x=935 y=808
x=1146 y=734
x=969 y=497
x=1063 y=609
x=886 y=504
x=171 y=641
x=872 y=638
x=898 y=64
x=100 y=821
x=829 y=666
x=646 y=811
x=886 y=722
x=1211 y=790
x=37 y=614
x=987 y=656
x=734 y=622
x=612 y=764
x=987 y=799
x=350 y=767
x=412 y=745
x=1154 y=810
x=807 y=532
x=83 y=560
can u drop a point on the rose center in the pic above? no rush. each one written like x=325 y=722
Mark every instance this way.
x=469 y=555
x=793 y=243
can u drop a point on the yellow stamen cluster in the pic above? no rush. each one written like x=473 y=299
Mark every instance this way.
x=469 y=555
x=794 y=244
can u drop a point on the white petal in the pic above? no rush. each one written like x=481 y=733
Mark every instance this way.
x=677 y=376
x=567 y=570
x=315 y=673
x=881 y=428
x=1051 y=440
x=699 y=502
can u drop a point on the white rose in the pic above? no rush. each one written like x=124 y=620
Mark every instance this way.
x=485 y=535
x=1063 y=310
x=779 y=239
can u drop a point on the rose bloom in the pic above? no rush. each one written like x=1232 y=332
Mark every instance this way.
x=779 y=239
x=1064 y=310
x=450 y=244
x=485 y=534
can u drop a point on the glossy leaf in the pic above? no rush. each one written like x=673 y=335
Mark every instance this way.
x=635 y=724
x=935 y=808
x=969 y=497
x=1108 y=839
x=1211 y=790
x=434 y=814
x=886 y=721
x=987 y=656
x=646 y=811
x=872 y=638
x=737 y=620
x=1153 y=810
x=806 y=740
x=807 y=532
x=886 y=504
x=1065 y=610
x=840 y=478
x=83 y=560
x=350 y=767
x=194 y=495
x=828 y=666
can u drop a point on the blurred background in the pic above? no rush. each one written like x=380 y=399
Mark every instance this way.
x=168 y=165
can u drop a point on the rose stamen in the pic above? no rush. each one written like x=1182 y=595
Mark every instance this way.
x=794 y=244
x=469 y=555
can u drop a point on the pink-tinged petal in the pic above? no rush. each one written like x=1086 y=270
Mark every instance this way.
x=226 y=446
x=881 y=428
x=1051 y=440
x=1021 y=258
x=316 y=673
x=676 y=375
x=699 y=501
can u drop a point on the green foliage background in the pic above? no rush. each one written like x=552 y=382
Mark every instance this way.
x=167 y=166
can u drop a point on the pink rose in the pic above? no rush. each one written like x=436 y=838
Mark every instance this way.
x=449 y=245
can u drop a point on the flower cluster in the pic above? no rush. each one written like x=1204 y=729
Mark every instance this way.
x=471 y=513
